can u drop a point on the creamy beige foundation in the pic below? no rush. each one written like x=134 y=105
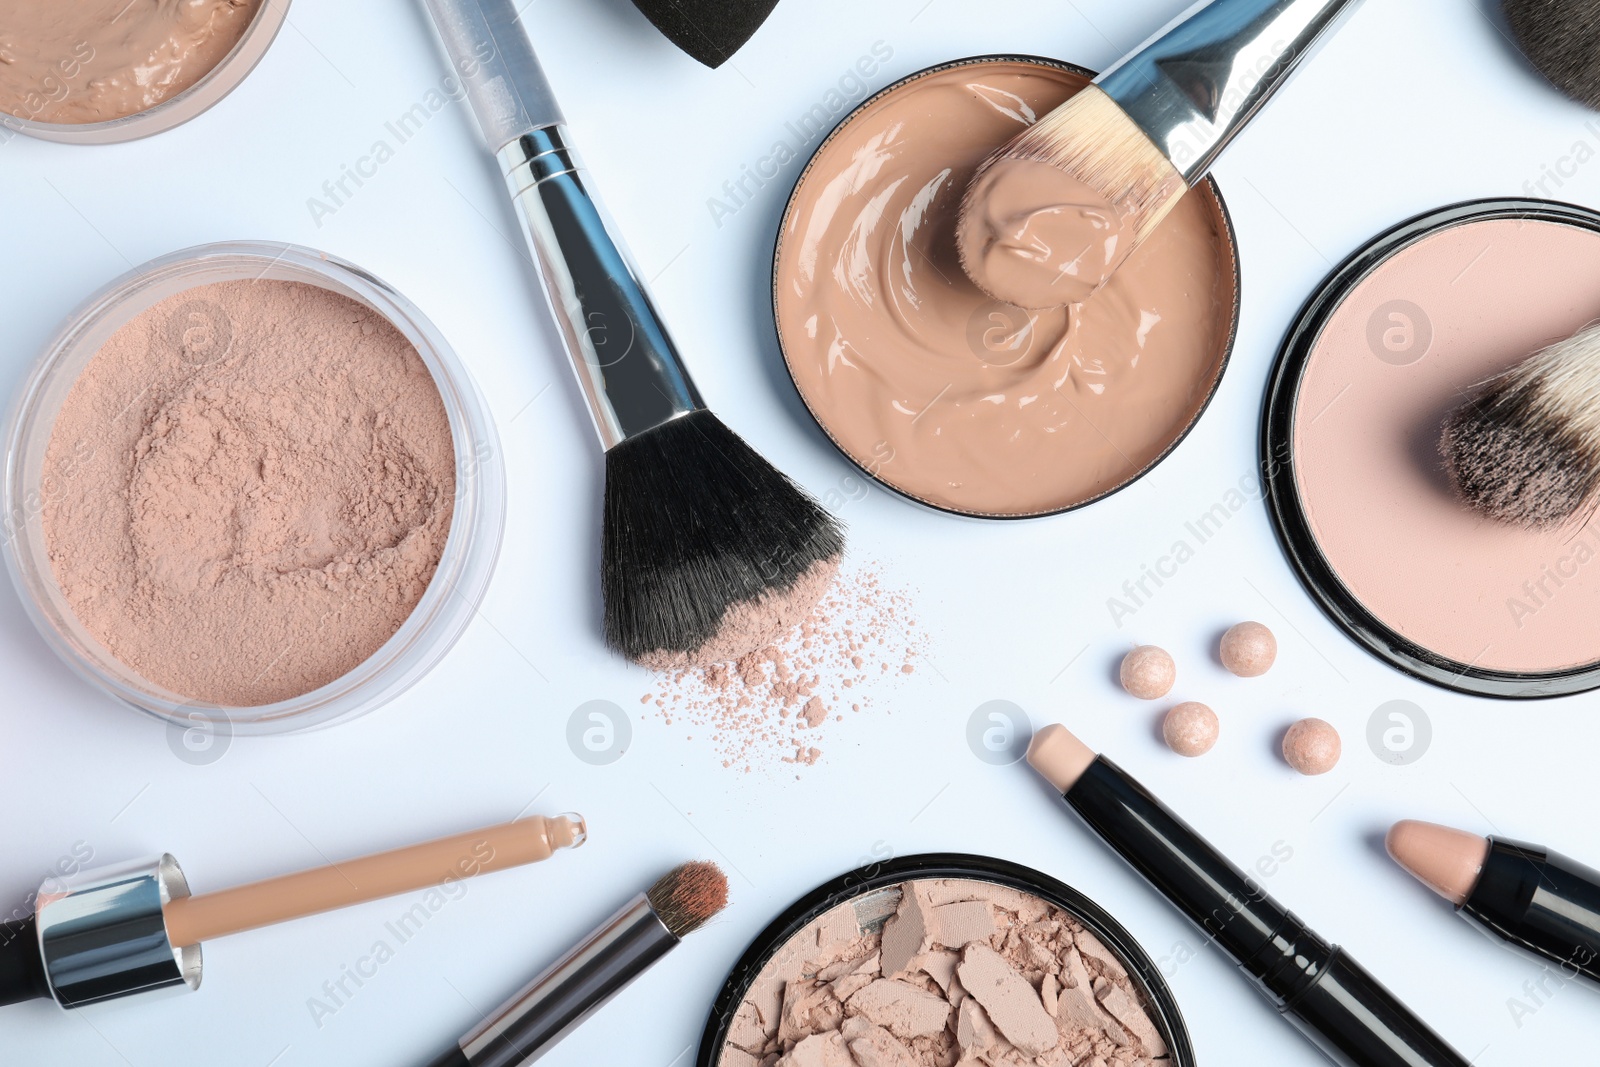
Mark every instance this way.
x=963 y=971
x=950 y=396
x=84 y=61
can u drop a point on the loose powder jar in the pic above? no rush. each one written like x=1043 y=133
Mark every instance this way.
x=1394 y=340
x=252 y=478
x=953 y=398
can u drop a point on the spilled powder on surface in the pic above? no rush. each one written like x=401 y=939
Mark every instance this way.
x=755 y=624
x=778 y=704
x=253 y=484
x=964 y=972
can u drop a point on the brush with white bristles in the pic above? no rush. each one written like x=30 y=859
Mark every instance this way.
x=1526 y=449
x=1148 y=129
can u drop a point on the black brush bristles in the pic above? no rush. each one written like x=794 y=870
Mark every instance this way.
x=696 y=522
x=709 y=30
x=1561 y=38
x=1526 y=449
x=689 y=896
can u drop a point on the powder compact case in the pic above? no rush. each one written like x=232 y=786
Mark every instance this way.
x=1394 y=339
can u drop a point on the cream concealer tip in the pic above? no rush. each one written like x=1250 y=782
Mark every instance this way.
x=1058 y=756
x=1447 y=861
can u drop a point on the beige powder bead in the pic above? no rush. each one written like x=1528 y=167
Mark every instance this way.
x=1148 y=672
x=1191 y=729
x=1312 y=747
x=1249 y=649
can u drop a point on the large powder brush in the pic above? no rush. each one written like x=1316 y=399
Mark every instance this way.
x=702 y=538
x=709 y=30
x=1525 y=449
x=1561 y=38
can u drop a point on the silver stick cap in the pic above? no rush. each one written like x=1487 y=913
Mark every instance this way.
x=103 y=933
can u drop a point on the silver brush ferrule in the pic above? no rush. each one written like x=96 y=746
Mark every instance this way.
x=627 y=367
x=574 y=988
x=1193 y=86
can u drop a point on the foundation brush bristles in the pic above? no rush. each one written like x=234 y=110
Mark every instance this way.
x=1526 y=449
x=708 y=551
x=1142 y=134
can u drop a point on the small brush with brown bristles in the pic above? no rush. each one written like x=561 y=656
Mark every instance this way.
x=1148 y=129
x=551 y=1006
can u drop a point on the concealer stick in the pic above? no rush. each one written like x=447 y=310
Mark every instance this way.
x=192 y=920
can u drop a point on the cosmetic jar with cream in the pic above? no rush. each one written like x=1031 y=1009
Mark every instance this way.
x=933 y=958
x=1391 y=342
x=952 y=398
x=106 y=71
x=250 y=484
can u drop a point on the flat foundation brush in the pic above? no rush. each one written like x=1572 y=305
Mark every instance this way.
x=708 y=551
x=1060 y=207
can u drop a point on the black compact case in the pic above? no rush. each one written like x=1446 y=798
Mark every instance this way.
x=864 y=881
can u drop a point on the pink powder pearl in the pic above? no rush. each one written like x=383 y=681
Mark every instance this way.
x=1191 y=729
x=1312 y=746
x=1248 y=649
x=1148 y=672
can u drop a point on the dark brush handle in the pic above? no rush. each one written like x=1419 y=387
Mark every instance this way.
x=21 y=967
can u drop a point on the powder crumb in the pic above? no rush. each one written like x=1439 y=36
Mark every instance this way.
x=257 y=480
x=814 y=714
x=753 y=706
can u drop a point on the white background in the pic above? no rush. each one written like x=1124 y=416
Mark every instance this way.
x=1417 y=104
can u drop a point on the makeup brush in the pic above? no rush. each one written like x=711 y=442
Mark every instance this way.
x=1525 y=449
x=1561 y=38
x=709 y=30
x=1128 y=146
x=708 y=551
x=116 y=931
x=576 y=986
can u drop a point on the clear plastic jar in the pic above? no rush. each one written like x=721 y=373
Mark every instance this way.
x=446 y=606
x=176 y=110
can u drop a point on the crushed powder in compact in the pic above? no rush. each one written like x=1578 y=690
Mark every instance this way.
x=964 y=972
x=773 y=705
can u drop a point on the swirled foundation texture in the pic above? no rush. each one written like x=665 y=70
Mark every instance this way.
x=953 y=397
x=962 y=973
x=254 y=484
x=80 y=61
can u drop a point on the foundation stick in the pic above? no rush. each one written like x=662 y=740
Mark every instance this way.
x=192 y=920
x=1336 y=1004
x=1529 y=897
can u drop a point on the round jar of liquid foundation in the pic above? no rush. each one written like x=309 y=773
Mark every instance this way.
x=951 y=398
x=250 y=488
x=1071 y=984
x=1396 y=338
x=107 y=71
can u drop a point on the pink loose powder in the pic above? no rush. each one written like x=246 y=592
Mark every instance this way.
x=257 y=481
x=773 y=705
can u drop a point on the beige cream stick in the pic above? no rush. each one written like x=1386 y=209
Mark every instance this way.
x=192 y=920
